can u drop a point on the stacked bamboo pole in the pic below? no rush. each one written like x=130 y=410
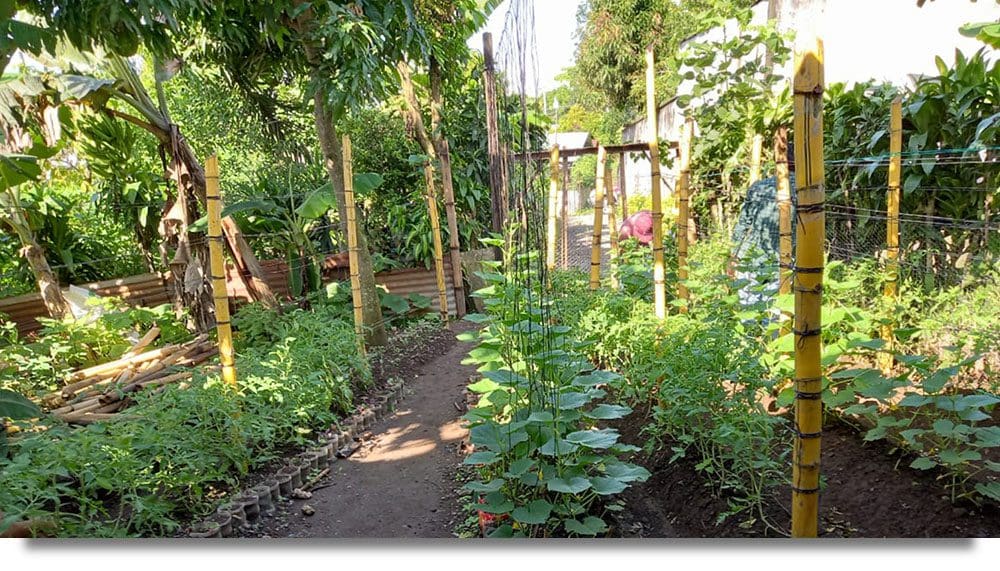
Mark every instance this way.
x=784 y=197
x=659 y=285
x=565 y=213
x=550 y=235
x=595 y=247
x=352 y=243
x=224 y=329
x=99 y=391
x=683 y=213
x=808 y=287
x=891 y=287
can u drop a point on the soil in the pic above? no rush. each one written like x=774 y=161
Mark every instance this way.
x=400 y=483
x=870 y=492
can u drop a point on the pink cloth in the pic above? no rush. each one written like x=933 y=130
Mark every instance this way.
x=638 y=226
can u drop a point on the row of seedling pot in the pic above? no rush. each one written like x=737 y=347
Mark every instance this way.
x=261 y=501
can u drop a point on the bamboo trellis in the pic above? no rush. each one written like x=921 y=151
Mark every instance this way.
x=892 y=228
x=595 y=248
x=683 y=212
x=550 y=236
x=659 y=284
x=609 y=195
x=213 y=203
x=352 y=243
x=808 y=287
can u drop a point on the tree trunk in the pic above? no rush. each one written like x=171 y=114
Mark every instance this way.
x=333 y=162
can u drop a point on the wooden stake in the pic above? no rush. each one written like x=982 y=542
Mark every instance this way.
x=808 y=286
x=609 y=196
x=595 y=247
x=550 y=235
x=659 y=285
x=756 y=148
x=219 y=293
x=683 y=212
x=892 y=229
x=352 y=243
x=784 y=197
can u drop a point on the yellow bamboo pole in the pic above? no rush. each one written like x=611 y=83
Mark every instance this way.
x=595 y=247
x=659 y=285
x=550 y=235
x=808 y=286
x=784 y=197
x=564 y=216
x=432 y=212
x=892 y=228
x=223 y=326
x=609 y=196
x=683 y=212
x=756 y=148
x=352 y=243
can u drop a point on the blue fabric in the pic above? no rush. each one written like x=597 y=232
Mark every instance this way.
x=756 y=235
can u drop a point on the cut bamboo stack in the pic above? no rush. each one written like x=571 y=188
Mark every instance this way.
x=100 y=391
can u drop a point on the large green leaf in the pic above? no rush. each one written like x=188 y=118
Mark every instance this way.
x=594 y=438
x=572 y=485
x=17 y=407
x=590 y=526
x=491 y=486
x=535 y=513
x=626 y=472
x=608 y=412
x=496 y=503
x=16 y=168
x=365 y=182
x=82 y=87
x=317 y=203
x=607 y=486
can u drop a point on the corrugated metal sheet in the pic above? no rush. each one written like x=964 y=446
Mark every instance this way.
x=421 y=281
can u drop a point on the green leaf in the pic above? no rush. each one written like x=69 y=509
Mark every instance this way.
x=573 y=485
x=365 y=182
x=542 y=416
x=16 y=169
x=625 y=472
x=395 y=303
x=505 y=531
x=317 y=202
x=17 y=407
x=911 y=183
x=989 y=490
x=536 y=513
x=519 y=467
x=573 y=400
x=484 y=386
x=594 y=438
x=608 y=412
x=923 y=463
x=606 y=486
x=481 y=458
x=79 y=87
x=496 y=503
x=491 y=486
x=477 y=317
x=506 y=378
x=564 y=447
x=590 y=526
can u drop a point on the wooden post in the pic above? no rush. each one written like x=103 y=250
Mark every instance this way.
x=621 y=183
x=659 y=285
x=683 y=213
x=497 y=179
x=756 y=149
x=808 y=285
x=224 y=330
x=595 y=248
x=892 y=229
x=609 y=196
x=550 y=234
x=432 y=212
x=565 y=214
x=352 y=243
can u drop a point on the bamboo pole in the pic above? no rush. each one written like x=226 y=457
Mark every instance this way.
x=808 y=284
x=621 y=183
x=352 y=243
x=892 y=228
x=756 y=148
x=215 y=245
x=565 y=213
x=498 y=182
x=595 y=247
x=784 y=197
x=432 y=212
x=550 y=235
x=609 y=196
x=659 y=286
x=683 y=213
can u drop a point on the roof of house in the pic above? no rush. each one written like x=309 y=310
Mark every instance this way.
x=569 y=140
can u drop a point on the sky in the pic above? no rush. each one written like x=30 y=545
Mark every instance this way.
x=555 y=22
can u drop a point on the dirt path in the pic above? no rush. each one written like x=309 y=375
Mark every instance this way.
x=401 y=482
